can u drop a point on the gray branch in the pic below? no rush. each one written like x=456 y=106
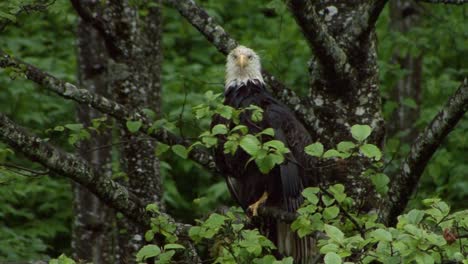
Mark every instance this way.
x=423 y=148
x=102 y=104
x=77 y=169
x=332 y=57
x=216 y=34
x=80 y=171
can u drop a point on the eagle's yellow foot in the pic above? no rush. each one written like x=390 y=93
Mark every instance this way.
x=254 y=207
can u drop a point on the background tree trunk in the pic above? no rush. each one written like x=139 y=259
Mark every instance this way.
x=94 y=233
x=404 y=15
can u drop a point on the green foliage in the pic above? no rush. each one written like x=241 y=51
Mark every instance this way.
x=230 y=242
x=265 y=154
x=421 y=236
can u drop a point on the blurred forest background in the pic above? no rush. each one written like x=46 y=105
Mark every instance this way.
x=426 y=45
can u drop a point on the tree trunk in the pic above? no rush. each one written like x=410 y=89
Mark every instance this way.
x=340 y=103
x=405 y=15
x=94 y=234
x=135 y=81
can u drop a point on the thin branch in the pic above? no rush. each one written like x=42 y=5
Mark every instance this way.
x=17 y=169
x=423 y=148
x=331 y=56
x=102 y=104
x=100 y=26
x=216 y=34
x=453 y=2
x=39 y=7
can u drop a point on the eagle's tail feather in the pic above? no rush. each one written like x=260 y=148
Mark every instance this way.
x=290 y=244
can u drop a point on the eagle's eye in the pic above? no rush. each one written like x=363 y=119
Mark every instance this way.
x=234 y=56
x=250 y=57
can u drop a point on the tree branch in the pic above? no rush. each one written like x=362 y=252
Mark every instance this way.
x=331 y=56
x=100 y=26
x=80 y=171
x=216 y=34
x=73 y=167
x=36 y=7
x=102 y=104
x=454 y=2
x=423 y=148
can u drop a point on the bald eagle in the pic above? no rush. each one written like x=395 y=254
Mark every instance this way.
x=283 y=185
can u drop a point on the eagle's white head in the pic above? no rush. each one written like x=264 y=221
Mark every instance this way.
x=242 y=64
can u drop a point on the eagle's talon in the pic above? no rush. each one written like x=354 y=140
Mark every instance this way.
x=254 y=207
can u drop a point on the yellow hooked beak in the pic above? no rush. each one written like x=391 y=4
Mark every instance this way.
x=242 y=61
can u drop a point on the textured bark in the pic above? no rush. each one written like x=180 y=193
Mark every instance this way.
x=74 y=167
x=102 y=104
x=340 y=103
x=94 y=233
x=404 y=183
x=405 y=15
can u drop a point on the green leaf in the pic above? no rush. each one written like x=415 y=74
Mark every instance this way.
x=161 y=148
x=310 y=194
x=380 y=182
x=268 y=131
x=345 y=146
x=334 y=233
x=165 y=257
x=265 y=164
x=331 y=247
x=338 y=192
x=278 y=145
x=148 y=251
x=315 y=149
x=173 y=246
x=133 y=126
x=360 y=132
x=331 y=212
x=250 y=144
x=371 y=151
x=257 y=116
x=381 y=235
x=331 y=153
x=149 y=235
x=219 y=129
x=225 y=111
x=332 y=258
x=74 y=127
x=243 y=129
x=180 y=151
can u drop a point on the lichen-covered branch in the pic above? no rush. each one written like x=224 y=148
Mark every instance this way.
x=423 y=148
x=102 y=104
x=332 y=57
x=216 y=34
x=454 y=2
x=71 y=166
x=80 y=171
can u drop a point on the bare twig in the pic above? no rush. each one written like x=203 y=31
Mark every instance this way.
x=423 y=148
x=18 y=169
